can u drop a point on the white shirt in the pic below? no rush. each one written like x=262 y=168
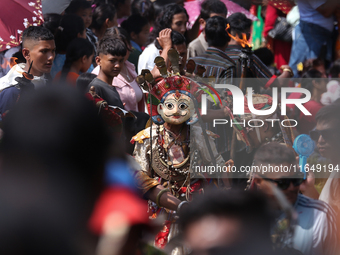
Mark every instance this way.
x=197 y=47
x=147 y=58
x=315 y=232
x=331 y=191
x=17 y=71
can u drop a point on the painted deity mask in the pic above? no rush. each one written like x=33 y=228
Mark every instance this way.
x=176 y=109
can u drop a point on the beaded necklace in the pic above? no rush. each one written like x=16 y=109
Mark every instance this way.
x=163 y=153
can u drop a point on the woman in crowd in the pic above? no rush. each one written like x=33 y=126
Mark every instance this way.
x=145 y=9
x=138 y=29
x=79 y=57
x=123 y=9
x=280 y=48
x=71 y=27
x=104 y=17
x=83 y=9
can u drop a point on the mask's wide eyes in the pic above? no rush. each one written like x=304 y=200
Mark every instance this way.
x=182 y=106
x=170 y=106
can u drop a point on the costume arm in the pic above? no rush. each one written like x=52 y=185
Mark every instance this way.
x=145 y=182
x=166 y=200
x=141 y=154
x=149 y=185
x=151 y=189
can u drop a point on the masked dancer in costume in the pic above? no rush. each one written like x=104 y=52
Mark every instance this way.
x=170 y=153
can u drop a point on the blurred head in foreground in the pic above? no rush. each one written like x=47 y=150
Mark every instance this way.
x=227 y=223
x=53 y=152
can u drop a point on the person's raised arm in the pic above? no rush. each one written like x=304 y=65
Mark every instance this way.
x=164 y=40
x=193 y=32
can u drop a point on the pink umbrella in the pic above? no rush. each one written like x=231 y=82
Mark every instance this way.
x=194 y=7
x=15 y=16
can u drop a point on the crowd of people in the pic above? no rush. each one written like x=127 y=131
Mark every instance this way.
x=114 y=117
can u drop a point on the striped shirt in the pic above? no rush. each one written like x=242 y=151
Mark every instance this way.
x=217 y=64
x=315 y=232
x=257 y=68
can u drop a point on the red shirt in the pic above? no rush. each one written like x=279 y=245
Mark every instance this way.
x=71 y=78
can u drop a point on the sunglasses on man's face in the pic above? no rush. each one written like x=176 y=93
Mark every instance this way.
x=327 y=134
x=284 y=183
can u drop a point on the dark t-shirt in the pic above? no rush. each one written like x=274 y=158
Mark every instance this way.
x=8 y=98
x=107 y=92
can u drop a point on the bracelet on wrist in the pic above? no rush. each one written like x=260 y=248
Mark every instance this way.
x=288 y=70
x=158 y=197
